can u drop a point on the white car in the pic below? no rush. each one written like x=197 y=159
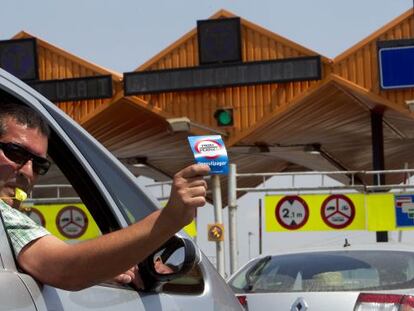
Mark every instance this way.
x=114 y=199
x=373 y=277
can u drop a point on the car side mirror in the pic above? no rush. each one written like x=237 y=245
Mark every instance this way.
x=170 y=261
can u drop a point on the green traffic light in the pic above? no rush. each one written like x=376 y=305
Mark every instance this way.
x=224 y=117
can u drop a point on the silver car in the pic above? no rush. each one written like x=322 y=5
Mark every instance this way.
x=373 y=277
x=112 y=196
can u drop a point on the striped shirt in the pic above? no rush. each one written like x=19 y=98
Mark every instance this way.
x=21 y=229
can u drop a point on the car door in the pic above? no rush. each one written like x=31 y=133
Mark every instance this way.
x=13 y=293
x=70 y=162
x=112 y=196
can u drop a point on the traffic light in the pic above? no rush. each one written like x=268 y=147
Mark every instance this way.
x=216 y=232
x=224 y=117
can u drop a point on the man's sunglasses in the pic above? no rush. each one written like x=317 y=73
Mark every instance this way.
x=21 y=156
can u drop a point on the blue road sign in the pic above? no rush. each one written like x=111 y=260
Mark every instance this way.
x=396 y=65
x=404 y=210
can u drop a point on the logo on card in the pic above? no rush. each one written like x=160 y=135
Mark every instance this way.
x=208 y=148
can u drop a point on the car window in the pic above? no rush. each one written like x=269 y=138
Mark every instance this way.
x=123 y=191
x=66 y=201
x=327 y=271
x=133 y=203
x=88 y=192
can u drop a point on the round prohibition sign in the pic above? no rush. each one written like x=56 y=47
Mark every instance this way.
x=37 y=217
x=337 y=211
x=71 y=222
x=292 y=212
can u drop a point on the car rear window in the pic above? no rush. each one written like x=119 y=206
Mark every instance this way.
x=327 y=271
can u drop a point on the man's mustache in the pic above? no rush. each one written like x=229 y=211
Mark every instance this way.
x=21 y=181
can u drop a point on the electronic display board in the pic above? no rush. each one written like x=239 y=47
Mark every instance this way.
x=214 y=76
x=75 y=89
x=219 y=40
x=19 y=57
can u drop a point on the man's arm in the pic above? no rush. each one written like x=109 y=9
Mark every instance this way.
x=77 y=266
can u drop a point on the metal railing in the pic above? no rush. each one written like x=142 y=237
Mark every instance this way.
x=164 y=195
x=352 y=176
x=322 y=184
x=56 y=194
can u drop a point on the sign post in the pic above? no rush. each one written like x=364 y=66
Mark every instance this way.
x=215 y=180
x=232 y=199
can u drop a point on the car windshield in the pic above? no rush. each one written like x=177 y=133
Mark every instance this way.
x=327 y=271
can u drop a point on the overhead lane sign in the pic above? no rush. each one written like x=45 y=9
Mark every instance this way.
x=380 y=209
x=66 y=221
x=338 y=211
x=372 y=212
x=396 y=63
x=315 y=212
x=72 y=222
x=292 y=212
x=404 y=210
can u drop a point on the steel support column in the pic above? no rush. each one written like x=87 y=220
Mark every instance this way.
x=378 y=158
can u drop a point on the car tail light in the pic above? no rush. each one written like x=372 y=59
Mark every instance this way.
x=243 y=300
x=384 y=302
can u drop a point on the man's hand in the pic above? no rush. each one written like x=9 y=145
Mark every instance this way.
x=162 y=268
x=130 y=276
x=133 y=277
x=188 y=192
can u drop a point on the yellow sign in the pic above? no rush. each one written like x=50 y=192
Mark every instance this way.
x=215 y=232
x=322 y=212
x=73 y=221
x=190 y=229
x=66 y=221
x=381 y=212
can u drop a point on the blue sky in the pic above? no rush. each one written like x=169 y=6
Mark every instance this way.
x=121 y=35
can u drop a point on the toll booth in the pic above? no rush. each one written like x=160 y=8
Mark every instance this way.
x=279 y=106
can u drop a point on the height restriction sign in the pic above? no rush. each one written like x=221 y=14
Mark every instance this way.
x=292 y=212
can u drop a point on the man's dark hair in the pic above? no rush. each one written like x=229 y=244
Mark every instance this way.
x=10 y=106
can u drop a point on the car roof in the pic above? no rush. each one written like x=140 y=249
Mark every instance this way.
x=381 y=246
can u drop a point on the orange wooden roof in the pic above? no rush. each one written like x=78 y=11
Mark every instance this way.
x=336 y=115
x=250 y=103
x=273 y=122
x=333 y=112
x=359 y=64
x=336 y=112
x=56 y=63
